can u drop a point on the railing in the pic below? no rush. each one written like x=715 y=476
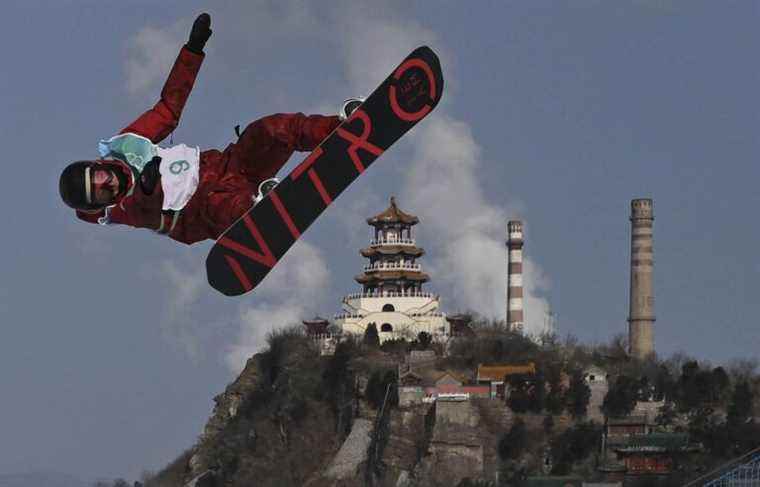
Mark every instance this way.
x=326 y=336
x=392 y=266
x=379 y=439
x=392 y=241
x=742 y=471
x=454 y=396
x=390 y=294
x=343 y=316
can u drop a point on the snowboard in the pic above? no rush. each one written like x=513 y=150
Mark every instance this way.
x=245 y=253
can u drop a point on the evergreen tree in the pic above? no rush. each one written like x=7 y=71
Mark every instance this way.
x=423 y=340
x=375 y=392
x=705 y=388
x=574 y=445
x=377 y=384
x=664 y=384
x=555 y=399
x=621 y=397
x=548 y=424
x=337 y=385
x=371 y=337
x=721 y=383
x=578 y=395
x=689 y=397
x=741 y=404
x=537 y=397
x=519 y=392
x=391 y=378
x=514 y=442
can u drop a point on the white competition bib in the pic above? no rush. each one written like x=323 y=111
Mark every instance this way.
x=179 y=170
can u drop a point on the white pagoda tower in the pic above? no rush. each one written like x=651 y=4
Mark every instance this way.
x=392 y=297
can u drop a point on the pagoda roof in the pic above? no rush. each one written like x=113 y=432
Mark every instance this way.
x=460 y=325
x=465 y=318
x=392 y=215
x=380 y=276
x=393 y=250
x=316 y=326
x=316 y=319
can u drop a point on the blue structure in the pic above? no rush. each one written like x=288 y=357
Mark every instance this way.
x=742 y=472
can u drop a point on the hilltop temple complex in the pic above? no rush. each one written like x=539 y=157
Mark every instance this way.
x=391 y=282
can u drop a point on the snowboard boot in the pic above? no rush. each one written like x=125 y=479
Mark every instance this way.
x=348 y=107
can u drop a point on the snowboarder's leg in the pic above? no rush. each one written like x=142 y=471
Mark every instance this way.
x=266 y=144
x=223 y=208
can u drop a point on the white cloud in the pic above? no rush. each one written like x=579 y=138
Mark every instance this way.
x=287 y=295
x=468 y=254
x=150 y=56
x=467 y=258
x=184 y=283
x=375 y=46
x=537 y=309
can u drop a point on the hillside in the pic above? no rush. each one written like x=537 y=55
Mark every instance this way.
x=367 y=415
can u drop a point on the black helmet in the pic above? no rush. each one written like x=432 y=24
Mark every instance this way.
x=74 y=188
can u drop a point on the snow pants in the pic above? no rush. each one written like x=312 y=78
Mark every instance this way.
x=229 y=179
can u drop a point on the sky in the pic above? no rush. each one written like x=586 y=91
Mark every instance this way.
x=112 y=344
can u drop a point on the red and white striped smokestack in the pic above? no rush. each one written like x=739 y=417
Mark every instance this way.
x=515 y=316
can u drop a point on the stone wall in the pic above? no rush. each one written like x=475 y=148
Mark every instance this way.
x=650 y=409
x=450 y=463
x=598 y=391
x=410 y=395
x=353 y=451
x=456 y=412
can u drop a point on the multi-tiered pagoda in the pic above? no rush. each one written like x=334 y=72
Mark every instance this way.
x=392 y=296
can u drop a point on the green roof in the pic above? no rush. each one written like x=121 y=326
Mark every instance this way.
x=628 y=420
x=655 y=442
x=551 y=482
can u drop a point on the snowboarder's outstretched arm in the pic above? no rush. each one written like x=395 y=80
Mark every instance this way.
x=158 y=122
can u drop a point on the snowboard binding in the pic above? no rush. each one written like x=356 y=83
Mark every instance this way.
x=348 y=107
x=265 y=187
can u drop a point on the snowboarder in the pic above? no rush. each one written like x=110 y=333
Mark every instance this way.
x=183 y=192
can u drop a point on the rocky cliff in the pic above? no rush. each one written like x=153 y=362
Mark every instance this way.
x=303 y=419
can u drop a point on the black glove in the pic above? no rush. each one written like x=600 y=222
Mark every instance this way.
x=150 y=176
x=200 y=33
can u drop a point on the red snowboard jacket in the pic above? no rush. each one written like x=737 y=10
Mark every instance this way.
x=228 y=180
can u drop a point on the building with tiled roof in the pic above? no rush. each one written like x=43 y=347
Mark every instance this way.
x=493 y=375
x=654 y=453
x=392 y=296
x=497 y=372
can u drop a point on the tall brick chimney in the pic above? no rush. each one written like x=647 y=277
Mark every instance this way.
x=641 y=317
